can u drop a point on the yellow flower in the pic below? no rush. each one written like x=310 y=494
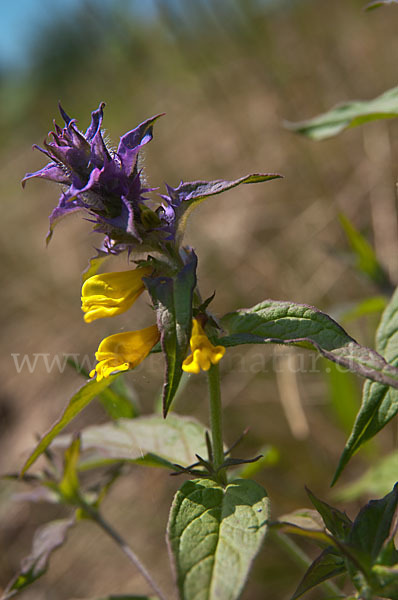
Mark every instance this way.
x=124 y=351
x=111 y=294
x=204 y=354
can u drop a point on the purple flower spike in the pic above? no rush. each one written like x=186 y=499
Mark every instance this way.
x=104 y=184
x=108 y=187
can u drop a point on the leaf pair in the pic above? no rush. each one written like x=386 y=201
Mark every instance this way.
x=364 y=548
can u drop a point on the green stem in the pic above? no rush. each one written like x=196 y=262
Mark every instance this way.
x=216 y=422
x=97 y=517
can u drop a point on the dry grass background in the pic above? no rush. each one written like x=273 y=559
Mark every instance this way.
x=227 y=74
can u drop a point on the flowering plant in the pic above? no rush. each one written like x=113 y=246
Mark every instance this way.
x=219 y=516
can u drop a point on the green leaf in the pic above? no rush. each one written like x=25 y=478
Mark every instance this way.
x=348 y=114
x=379 y=402
x=214 y=535
x=355 y=547
x=76 y=404
x=172 y=298
x=366 y=259
x=148 y=440
x=327 y=565
x=190 y=194
x=276 y=322
x=335 y=521
x=375 y=525
x=47 y=538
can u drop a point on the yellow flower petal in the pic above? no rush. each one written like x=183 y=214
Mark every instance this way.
x=204 y=354
x=110 y=294
x=124 y=351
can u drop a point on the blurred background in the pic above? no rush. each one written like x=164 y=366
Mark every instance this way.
x=227 y=73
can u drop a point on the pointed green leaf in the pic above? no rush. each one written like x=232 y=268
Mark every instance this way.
x=172 y=298
x=327 y=565
x=375 y=525
x=335 y=521
x=276 y=322
x=47 y=538
x=366 y=259
x=190 y=194
x=149 y=440
x=214 y=535
x=379 y=402
x=348 y=114
x=76 y=404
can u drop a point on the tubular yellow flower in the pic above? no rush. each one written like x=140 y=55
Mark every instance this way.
x=204 y=354
x=111 y=294
x=124 y=351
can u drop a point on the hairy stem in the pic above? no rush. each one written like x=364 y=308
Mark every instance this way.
x=216 y=422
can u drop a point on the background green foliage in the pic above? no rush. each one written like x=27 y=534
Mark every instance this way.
x=227 y=73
